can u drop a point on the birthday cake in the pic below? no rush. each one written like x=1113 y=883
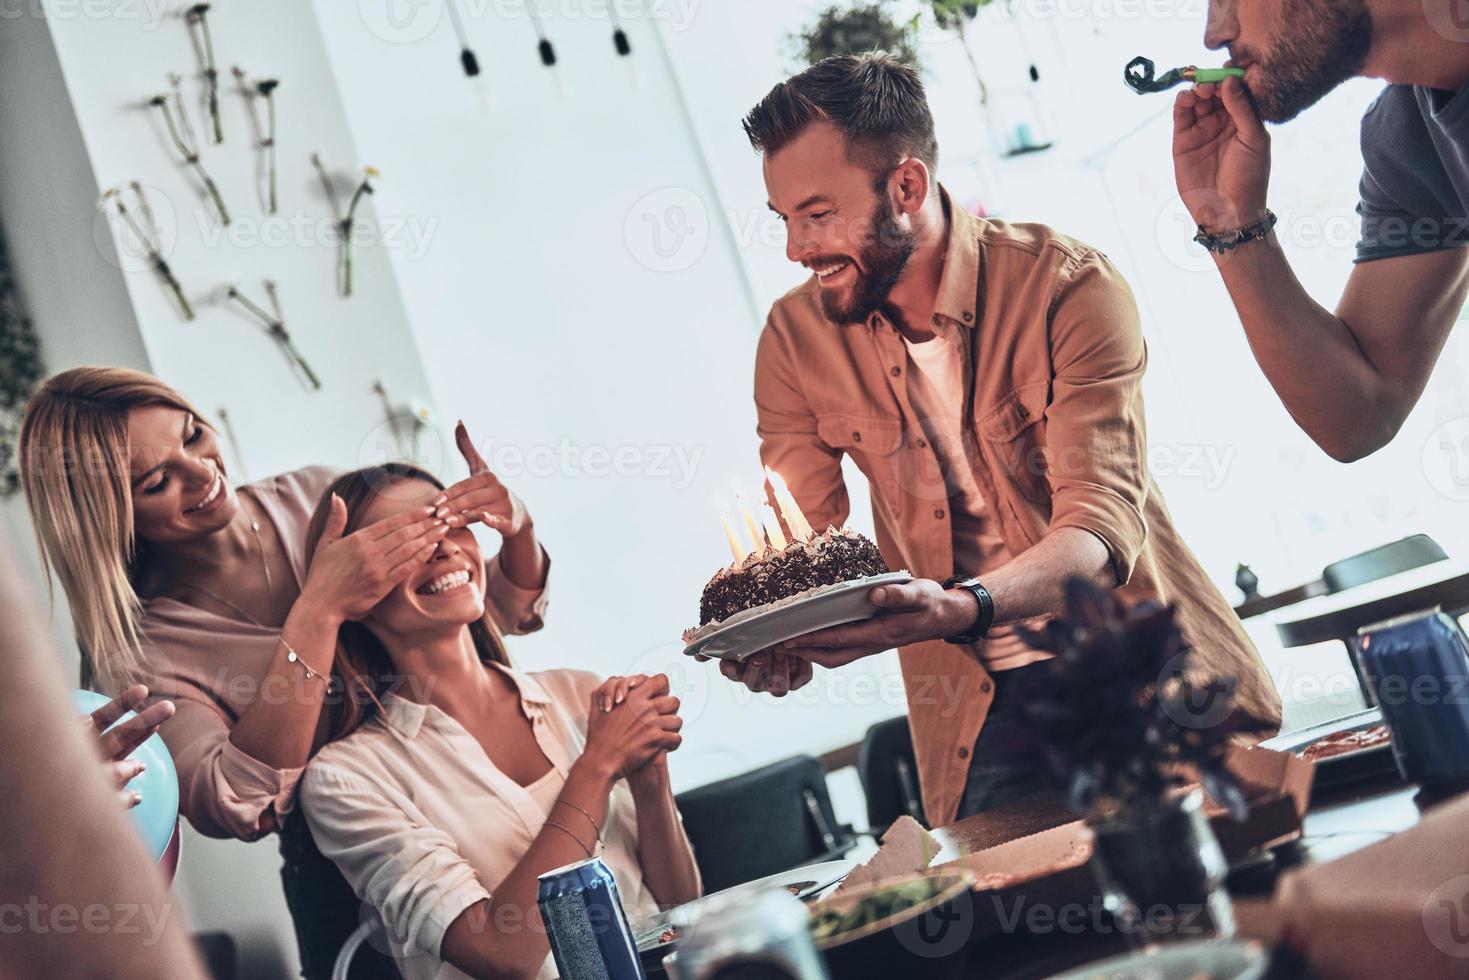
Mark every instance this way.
x=781 y=575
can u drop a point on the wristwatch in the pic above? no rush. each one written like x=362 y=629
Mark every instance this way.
x=986 y=617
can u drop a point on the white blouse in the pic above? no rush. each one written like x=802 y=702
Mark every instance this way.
x=424 y=825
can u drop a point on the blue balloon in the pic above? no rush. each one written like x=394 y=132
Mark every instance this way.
x=158 y=784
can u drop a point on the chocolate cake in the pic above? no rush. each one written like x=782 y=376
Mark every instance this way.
x=825 y=559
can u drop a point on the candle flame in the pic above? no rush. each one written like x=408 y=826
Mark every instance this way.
x=789 y=509
x=751 y=524
x=736 y=546
x=772 y=527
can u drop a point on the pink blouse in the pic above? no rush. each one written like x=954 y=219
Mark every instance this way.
x=212 y=667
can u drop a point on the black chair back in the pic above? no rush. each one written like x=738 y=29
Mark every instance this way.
x=889 y=773
x=1411 y=552
x=762 y=822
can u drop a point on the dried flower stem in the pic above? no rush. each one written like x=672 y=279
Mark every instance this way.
x=183 y=140
x=264 y=135
x=147 y=236
x=204 y=45
x=275 y=327
x=364 y=188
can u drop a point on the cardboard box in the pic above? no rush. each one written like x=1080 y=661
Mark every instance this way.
x=1044 y=880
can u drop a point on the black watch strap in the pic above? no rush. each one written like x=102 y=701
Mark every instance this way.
x=986 y=602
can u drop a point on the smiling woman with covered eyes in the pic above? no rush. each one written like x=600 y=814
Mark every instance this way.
x=453 y=780
x=201 y=590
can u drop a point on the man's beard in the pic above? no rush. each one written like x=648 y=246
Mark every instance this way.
x=883 y=258
x=1322 y=44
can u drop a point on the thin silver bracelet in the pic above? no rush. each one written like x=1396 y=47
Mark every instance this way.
x=295 y=658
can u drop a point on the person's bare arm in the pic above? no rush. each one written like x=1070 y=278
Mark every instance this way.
x=348 y=575
x=664 y=852
x=1030 y=584
x=503 y=936
x=74 y=866
x=1349 y=377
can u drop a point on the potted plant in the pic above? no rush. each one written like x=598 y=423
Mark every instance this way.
x=1125 y=728
x=856 y=29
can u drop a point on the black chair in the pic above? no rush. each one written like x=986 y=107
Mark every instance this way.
x=1411 y=552
x=763 y=822
x=889 y=773
x=1379 y=563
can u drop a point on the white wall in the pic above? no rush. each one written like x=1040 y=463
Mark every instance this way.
x=549 y=320
x=72 y=88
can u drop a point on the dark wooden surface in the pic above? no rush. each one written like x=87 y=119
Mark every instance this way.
x=1340 y=820
x=1451 y=592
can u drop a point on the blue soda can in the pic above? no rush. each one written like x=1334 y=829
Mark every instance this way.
x=589 y=934
x=1417 y=667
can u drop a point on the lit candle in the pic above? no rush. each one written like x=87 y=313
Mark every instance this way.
x=736 y=547
x=789 y=509
x=772 y=527
x=751 y=525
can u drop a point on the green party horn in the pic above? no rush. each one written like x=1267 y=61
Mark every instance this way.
x=1140 y=75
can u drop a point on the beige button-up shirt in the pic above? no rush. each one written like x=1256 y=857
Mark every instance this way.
x=1054 y=357
x=424 y=825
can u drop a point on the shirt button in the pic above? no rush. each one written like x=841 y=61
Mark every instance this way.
x=963 y=752
x=939 y=513
x=896 y=371
x=856 y=437
x=985 y=687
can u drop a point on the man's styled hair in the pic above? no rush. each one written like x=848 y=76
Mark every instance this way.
x=875 y=100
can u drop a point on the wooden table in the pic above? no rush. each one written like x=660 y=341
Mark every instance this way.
x=1339 y=821
x=1339 y=615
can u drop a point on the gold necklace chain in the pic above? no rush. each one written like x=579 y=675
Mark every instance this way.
x=264 y=566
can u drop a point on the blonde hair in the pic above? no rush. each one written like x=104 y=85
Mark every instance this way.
x=74 y=457
x=363 y=671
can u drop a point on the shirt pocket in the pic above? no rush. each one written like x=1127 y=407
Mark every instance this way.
x=1014 y=437
x=873 y=443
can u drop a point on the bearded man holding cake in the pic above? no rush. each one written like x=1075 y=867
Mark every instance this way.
x=985 y=377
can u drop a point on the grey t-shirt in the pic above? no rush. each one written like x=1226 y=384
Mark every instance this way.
x=1415 y=175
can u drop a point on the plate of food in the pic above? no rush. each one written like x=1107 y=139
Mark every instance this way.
x=657 y=937
x=807 y=585
x=1352 y=747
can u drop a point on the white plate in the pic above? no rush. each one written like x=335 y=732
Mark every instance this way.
x=808 y=876
x=749 y=632
x=1188 y=960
